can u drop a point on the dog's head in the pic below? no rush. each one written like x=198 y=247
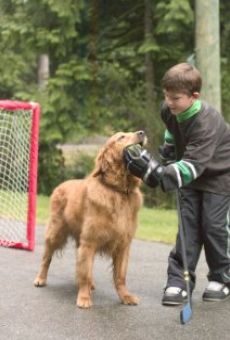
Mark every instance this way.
x=110 y=163
x=124 y=139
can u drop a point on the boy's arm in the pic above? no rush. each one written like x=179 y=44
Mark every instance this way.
x=167 y=151
x=141 y=164
x=195 y=160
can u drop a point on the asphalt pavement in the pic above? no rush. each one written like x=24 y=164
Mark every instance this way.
x=31 y=313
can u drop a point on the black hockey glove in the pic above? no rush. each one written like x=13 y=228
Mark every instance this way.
x=167 y=153
x=140 y=163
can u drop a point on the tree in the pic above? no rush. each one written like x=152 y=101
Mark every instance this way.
x=208 y=49
x=225 y=56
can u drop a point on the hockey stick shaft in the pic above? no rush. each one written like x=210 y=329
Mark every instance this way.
x=186 y=312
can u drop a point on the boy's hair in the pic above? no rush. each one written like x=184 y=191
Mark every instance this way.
x=183 y=78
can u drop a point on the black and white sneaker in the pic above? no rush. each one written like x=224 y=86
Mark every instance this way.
x=174 y=296
x=216 y=291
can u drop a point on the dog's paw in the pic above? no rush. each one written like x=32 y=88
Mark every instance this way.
x=84 y=302
x=129 y=299
x=39 y=282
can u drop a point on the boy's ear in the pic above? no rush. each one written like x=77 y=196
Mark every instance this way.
x=196 y=95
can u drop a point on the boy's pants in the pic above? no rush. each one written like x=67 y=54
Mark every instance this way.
x=206 y=220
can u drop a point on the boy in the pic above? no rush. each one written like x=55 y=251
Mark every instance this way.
x=197 y=155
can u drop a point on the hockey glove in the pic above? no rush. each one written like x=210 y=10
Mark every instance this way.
x=140 y=163
x=167 y=153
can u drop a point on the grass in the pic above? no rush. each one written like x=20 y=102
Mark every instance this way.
x=42 y=209
x=154 y=224
x=157 y=225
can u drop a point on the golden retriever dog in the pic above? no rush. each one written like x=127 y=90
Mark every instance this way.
x=100 y=213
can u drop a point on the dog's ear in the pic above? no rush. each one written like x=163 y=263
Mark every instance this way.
x=104 y=160
x=99 y=163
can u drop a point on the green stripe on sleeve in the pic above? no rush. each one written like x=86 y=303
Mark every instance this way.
x=168 y=137
x=185 y=172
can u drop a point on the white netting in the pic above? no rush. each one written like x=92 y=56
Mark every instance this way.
x=15 y=129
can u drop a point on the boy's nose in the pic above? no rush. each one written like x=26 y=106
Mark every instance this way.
x=168 y=101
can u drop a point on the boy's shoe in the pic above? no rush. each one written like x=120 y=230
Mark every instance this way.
x=174 y=296
x=216 y=291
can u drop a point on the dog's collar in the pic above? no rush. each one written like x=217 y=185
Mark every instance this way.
x=114 y=187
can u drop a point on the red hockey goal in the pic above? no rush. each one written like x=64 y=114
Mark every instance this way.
x=19 y=129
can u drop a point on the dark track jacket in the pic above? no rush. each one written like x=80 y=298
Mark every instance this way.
x=202 y=142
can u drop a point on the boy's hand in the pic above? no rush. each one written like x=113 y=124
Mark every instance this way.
x=140 y=163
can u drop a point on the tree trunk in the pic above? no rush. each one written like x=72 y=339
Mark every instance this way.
x=149 y=76
x=94 y=91
x=43 y=71
x=208 y=49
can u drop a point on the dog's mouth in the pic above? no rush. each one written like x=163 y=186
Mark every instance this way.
x=141 y=143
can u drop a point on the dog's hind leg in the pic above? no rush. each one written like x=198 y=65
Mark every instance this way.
x=120 y=264
x=56 y=237
x=84 y=271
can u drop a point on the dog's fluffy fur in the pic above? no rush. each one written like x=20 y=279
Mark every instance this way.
x=100 y=213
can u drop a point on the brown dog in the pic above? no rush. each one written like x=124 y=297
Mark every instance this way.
x=100 y=213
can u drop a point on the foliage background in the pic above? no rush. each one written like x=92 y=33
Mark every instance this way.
x=106 y=61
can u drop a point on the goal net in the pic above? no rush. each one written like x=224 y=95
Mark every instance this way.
x=19 y=126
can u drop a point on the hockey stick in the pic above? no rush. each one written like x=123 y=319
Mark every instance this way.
x=186 y=312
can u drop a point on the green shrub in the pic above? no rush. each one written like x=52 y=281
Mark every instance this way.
x=81 y=165
x=157 y=198
x=51 y=168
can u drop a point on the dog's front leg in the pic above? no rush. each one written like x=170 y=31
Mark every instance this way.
x=84 y=271
x=120 y=264
x=41 y=277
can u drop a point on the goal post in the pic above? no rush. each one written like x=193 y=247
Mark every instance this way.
x=19 y=131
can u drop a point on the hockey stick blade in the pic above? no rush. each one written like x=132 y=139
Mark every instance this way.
x=185 y=314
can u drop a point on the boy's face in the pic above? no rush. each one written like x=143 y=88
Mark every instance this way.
x=178 y=101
